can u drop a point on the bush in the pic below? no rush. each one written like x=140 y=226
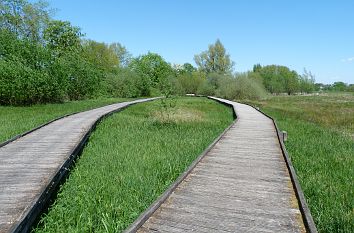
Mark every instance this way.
x=154 y=71
x=211 y=85
x=21 y=85
x=83 y=78
x=124 y=83
x=189 y=82
x=243 y=86
x=25 y=73
x=249 y=86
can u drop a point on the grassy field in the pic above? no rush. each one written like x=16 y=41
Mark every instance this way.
x=133 y=157
x=16 y=120
x=321 y=147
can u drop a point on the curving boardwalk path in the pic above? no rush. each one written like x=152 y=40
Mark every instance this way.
x=241 y=185
x=31 y=163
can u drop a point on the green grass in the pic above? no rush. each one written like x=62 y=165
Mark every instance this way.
x=330 y=110
x=16 y=120
x=321 y=147
x=132 y=158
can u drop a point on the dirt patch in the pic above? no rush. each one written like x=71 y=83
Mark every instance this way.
x=179 y=115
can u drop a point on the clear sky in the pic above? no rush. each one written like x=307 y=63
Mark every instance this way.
x=316 y=35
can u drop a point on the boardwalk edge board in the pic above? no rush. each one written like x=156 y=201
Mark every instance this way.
x=163 y=197
x=306 y=214
x=41 y=204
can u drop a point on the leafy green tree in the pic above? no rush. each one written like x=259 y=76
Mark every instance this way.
x=350 y=88
x=101 y=55
x=123 y=83
x=257 y=68
x=189 y=68
x=190 y=83
x=62 y=37
x=26 y=20
x=291 y=80
x=214 y=60
x=154 y=70
x=339 y=86
x=307 y=82
x=186 y=68
x=124 y=56
x=278 y=79
x=271 y=78
x=82 y=78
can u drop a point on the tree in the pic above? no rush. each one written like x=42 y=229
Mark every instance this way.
x=189 y=83
x=278 y=79
x=189 y=68
x=122 y=53
x=350 y=88
x=290 y=80
x=154 y=70
x=186 y=68
x=100 y=55
x=62 y=37
x=214 y=60
x=271 y=78
x=339 y=86
x=257 y=68
x=307 y=82
x=24 y=19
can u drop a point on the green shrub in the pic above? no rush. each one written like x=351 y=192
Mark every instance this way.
x=189 y=82
x=153 y=69
x=206 y=88
x=83 y=78
x=249 y=86
x=124 y=83
x=211 y=84
x=25 y=73
x=243 y=86
x=31 y=54
x=21 y=85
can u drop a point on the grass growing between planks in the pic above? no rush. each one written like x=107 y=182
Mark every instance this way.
x=17 y=120
x=321 y=147
x=132 y=158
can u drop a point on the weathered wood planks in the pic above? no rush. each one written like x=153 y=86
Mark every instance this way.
x=31 y=165
x=241 y=185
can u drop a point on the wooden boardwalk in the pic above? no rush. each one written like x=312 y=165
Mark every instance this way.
x=241 y=185
x=30 y=164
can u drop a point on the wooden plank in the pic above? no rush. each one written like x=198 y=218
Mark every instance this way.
x=32 y=165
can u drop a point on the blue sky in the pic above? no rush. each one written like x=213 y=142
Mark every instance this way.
x=316 y=35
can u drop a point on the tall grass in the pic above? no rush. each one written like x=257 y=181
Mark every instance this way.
x=330 y=110
x=132 y=157
x=16 y=120
x=322 y=151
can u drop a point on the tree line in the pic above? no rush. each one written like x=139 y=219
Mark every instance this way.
x=43 y=60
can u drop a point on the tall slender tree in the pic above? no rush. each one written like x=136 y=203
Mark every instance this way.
x=215 y=59
x=124 y=56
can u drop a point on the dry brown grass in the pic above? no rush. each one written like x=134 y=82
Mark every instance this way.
x=179 y=115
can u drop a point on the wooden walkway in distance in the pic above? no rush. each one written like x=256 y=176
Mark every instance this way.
x=241 y=185
x=29 y=164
